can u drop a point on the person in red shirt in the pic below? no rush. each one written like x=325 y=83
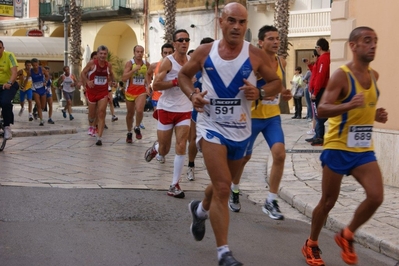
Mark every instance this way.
x=320 y=77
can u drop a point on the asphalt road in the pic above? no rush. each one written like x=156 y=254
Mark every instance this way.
x=74 y=227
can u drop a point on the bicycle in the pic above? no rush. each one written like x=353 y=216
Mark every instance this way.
x=2 y=142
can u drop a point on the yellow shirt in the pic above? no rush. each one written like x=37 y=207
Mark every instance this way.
x=28 y=84
x=7 y=61
x=263 y=111
x=352 y=131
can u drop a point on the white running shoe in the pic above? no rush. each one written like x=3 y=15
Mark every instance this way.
x=7 y=133
x=190 y=174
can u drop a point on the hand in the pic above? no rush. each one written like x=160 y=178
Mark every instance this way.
x=198 y=100
x=357 y=100
x=381 y=115
x=250 y=91
x=313 y=97
x=90 y=84
x=6 y=86
x=286 y=95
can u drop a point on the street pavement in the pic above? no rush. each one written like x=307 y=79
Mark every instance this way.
x=64 y=156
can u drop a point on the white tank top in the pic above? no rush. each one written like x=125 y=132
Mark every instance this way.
x=229 y=112
x=173 y=99
x=66 y=84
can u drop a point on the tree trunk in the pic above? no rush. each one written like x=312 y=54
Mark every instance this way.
x=281 y=22
x=76 y=53
x=170 y=19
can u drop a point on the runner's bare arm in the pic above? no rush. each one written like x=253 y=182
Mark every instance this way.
x=159 y=83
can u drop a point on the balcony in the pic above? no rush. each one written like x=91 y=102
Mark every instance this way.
x=310 y=23
x=94 y=9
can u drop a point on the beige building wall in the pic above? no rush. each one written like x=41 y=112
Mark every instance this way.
x=346 y=15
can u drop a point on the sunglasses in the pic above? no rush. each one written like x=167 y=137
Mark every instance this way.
x=183 y=40
x=316 y=47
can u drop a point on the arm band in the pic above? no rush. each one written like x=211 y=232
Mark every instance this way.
x=175 y=83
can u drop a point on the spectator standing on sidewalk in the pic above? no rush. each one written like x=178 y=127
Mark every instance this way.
x=9 y=87
x=49 y=96
x=308 y=93
x=349 y=102
x=298 y=92
x=68 y=83
x=223 y=124
x=25 y=85
x=318 y=84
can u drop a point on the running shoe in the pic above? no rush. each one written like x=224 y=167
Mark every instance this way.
x=227 y=259
x=138 y=133
x=348 y=253
x=35 y=116
x=312 y=255
x=71 y=117
x=41 y=123
x=114 y=118
x=94 y=132
x=63 y=113
x=99 y=142
x=317 y=142
x=175 y=191
x=7 y=133
x=151 y=152
x=310 y=140
x=21 y=111
x=90 y=131
x=160 y=159
x=197 y=227
x=50 y=121
x=273 y=210
x=234 y=201
x=30 y=117
x=129 y=137
x=190 y=174
x=142 y=126
x=105 y=126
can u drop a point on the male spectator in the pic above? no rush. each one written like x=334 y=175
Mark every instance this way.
x=68 y=82
x=318 y=84
x=25 y=85
x=349 y=102
x=9 y=87
x=96 y=76
x=265 y=118
x=223 y=124
x=137 y=88
x=173 y=112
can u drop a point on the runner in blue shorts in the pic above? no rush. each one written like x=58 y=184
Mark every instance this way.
x=39 y=77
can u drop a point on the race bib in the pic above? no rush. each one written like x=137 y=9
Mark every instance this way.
x=275 y=101
x=225 y=110
x=138 y=80
x=360 y=136
x=38 y=84
x=100 y=80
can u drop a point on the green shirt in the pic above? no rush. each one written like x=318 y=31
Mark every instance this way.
x=7 y=61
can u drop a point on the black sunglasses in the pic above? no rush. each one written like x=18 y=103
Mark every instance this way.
x=183 y=40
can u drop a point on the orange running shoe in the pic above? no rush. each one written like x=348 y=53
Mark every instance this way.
x=348 y=252
x=312 y=255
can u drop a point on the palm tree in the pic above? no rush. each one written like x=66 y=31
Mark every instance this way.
x=170 y=19
x=117 y=65
x=75 y=55
x=281 y=22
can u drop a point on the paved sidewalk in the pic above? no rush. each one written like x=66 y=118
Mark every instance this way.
x=63 y=155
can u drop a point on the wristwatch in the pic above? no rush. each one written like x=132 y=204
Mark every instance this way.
x=262 y=93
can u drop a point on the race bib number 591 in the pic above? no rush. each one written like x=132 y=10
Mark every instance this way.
x=223 y=110
x=360 y=136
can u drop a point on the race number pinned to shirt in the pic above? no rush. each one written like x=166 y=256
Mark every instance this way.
x=100 y=80
x=275 y=101
x=138 y=79
x=360 y=136
x=225 y=110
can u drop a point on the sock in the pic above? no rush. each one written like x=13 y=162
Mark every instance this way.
x=347 y=234
x=221 y=250
x=201 y=212
x=312 y=243
x=178 y=168
x=98 y=138
x=30 y=114
x=235 y=188
x=157 y=147
x=191 y=164
x=271 y=197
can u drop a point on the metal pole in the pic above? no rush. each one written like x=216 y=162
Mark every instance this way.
x=66 y=20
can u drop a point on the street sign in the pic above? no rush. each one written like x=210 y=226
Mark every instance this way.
x=11 y=8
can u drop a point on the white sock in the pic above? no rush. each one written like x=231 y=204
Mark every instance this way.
x=201 y=212
x=178 y=168
x=235 y=188
x=221 y=250
x=271 y=197
x=157 y=147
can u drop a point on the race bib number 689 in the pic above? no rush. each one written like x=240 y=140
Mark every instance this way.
x=360 y=136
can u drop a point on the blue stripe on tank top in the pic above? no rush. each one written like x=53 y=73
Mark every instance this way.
x=233 y=89
x=344 y=116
